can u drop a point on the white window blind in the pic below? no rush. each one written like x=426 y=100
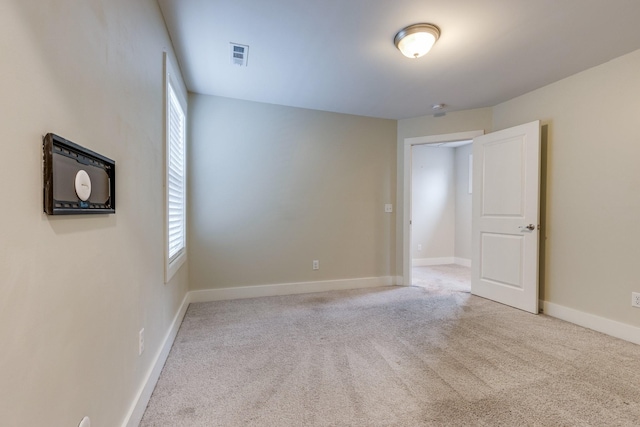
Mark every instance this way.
x=175 y=176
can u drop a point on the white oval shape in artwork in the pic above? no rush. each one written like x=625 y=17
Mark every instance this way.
x=83 y=185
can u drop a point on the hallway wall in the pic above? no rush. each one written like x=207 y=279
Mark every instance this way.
x=433 y=217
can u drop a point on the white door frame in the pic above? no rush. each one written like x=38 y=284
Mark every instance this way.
x=406 y=189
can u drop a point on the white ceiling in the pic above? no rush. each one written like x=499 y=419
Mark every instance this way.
x=338 y=55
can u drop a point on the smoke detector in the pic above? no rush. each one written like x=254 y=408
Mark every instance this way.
x=239 y=54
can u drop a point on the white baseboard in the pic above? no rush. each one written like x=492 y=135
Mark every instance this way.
x=288 y=289
x=463 y=261
x=425 y=262
x=134 y=416
x=606 y=326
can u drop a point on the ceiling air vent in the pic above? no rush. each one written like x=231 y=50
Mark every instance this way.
x=239 y=54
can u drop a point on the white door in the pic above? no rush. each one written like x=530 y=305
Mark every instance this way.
x=506 y=195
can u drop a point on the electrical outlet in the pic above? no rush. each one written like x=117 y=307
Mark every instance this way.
x=316 y=264
x=635 y=299
x=141 y=342
x=388 y=208
x=419 y=246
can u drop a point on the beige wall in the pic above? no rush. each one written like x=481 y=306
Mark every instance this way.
x=273 y=188
x=463 y=203
x=592 y=185
x=433 y=187
x=75 y=290
x=457 y=121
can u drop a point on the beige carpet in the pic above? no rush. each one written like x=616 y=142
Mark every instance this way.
x=396 y=356
x=442 y=278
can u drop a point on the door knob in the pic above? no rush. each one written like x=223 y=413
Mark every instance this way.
x=529 y=227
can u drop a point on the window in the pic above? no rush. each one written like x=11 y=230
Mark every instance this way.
x=175 y=176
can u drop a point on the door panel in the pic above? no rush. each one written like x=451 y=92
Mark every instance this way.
x=503 y=166
x=501 y=263
x=506 y=184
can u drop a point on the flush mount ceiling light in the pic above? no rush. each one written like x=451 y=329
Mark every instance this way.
x=416 y=40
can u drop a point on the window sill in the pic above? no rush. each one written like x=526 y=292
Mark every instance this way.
x=171 y=268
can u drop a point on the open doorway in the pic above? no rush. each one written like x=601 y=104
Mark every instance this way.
x=441 y=216
x=408 y=144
